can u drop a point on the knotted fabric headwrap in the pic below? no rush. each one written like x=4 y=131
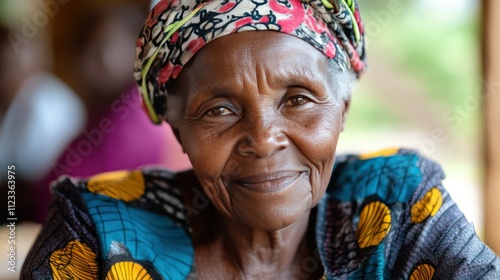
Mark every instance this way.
x=175 y=30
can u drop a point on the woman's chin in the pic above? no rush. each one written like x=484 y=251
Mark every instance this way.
x=273 y=218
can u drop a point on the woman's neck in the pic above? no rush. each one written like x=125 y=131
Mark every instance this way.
x=260 y=253
x=227 y=249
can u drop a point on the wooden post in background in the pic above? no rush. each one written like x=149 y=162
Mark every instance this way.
x=491 y=90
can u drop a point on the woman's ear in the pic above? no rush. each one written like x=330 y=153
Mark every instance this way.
x=172 y=116
x=345 y=110
x=172 y=122
x=178 y=137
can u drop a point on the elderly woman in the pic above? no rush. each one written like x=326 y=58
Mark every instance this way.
x=257 y=93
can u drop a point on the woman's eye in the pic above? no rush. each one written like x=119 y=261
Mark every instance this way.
x=297 y=100
x=219 y=111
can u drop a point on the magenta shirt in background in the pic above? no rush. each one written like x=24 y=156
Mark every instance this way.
x=123 y=138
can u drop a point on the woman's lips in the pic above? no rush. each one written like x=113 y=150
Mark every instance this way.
x=269 y=182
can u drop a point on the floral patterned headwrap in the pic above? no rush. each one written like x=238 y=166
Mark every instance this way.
x=176 y=29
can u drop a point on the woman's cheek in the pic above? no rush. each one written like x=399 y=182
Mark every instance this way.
x=207 y=153
x=327 y=137
x=326 y=128
x=320 y=149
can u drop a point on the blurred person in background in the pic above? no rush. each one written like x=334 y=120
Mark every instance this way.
x=39 y=116
x=82 y=117
x=97 y=62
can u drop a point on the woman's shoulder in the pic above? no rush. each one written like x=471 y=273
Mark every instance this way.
x=152 y=190
x=392 y=175
x=138 y=217
x=388 y=215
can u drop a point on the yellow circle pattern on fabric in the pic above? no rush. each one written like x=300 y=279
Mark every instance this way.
x=374 y=224
x=422 y=272
x=428 y=206
x=122 y=185
x=75 y=261
x=128 y=270
x=382 y=153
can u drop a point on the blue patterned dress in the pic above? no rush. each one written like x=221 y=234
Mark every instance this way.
x=383 y=216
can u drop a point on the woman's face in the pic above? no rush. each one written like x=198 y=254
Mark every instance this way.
x=259 y=120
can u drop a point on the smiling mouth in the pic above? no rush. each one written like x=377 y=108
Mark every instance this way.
x=269 y=182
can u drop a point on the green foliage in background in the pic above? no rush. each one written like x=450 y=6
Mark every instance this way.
x=437 y=49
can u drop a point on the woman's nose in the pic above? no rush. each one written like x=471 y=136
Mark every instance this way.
x=263 y=138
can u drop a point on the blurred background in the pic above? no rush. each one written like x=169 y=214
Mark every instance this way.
x=69 y=105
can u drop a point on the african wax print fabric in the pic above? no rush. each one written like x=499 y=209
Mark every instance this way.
x=384 y=216
x=175 y=30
